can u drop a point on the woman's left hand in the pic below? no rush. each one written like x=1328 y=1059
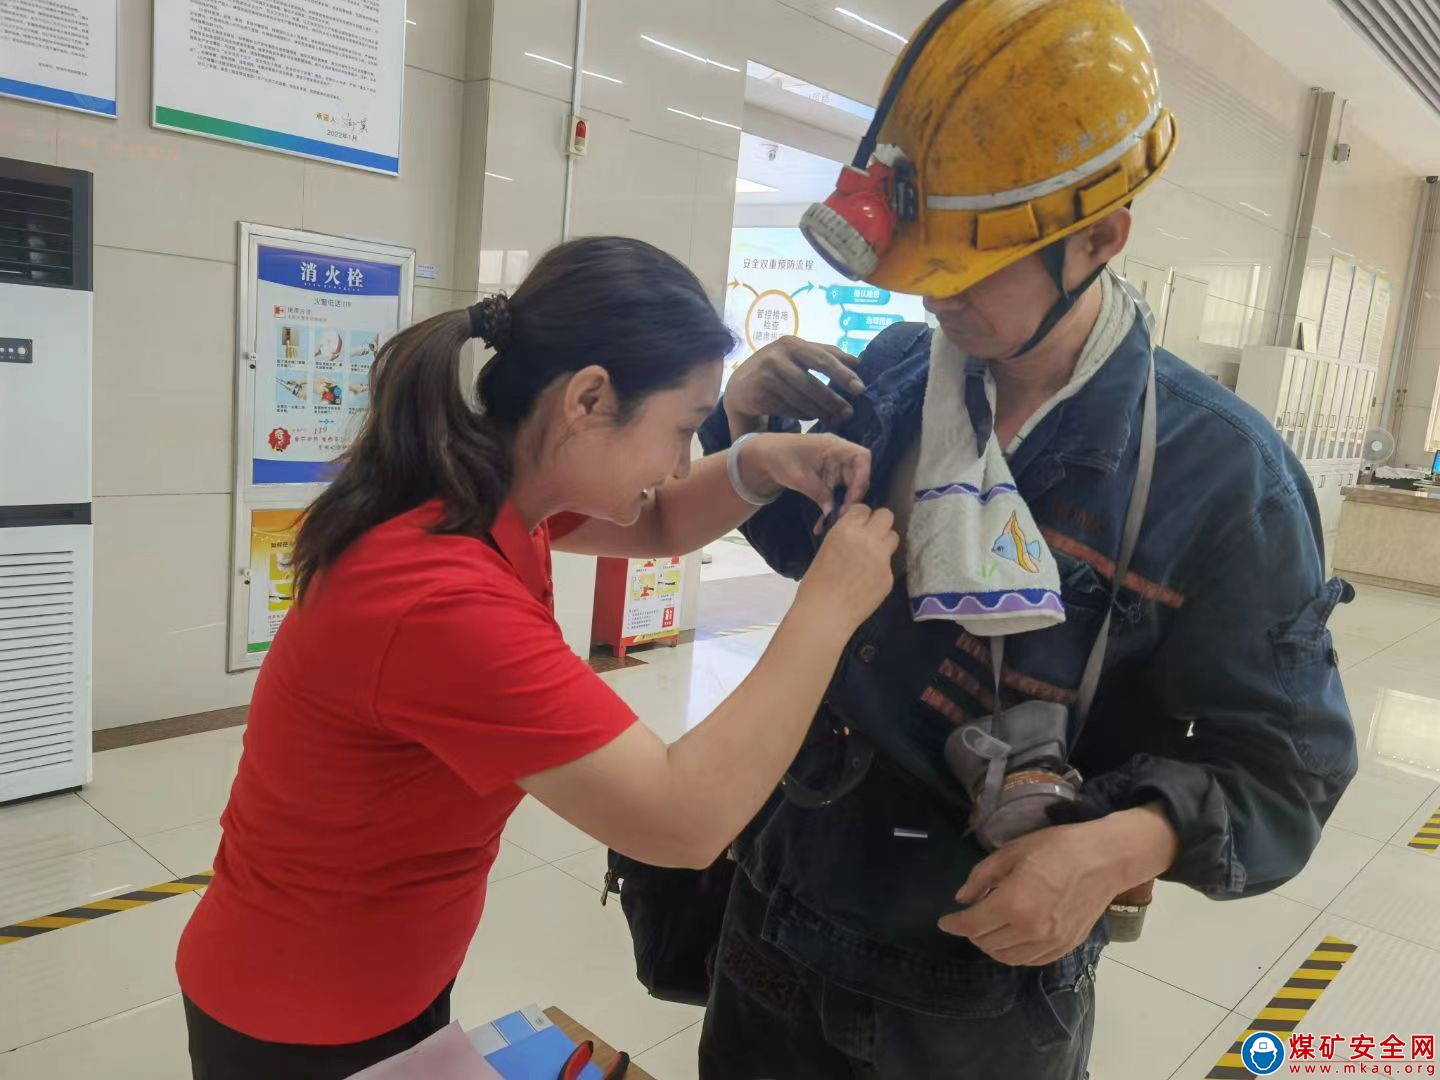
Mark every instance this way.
x=814 y=465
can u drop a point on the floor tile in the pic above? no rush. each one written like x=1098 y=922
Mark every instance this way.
x=1333 y=865
x=1218 y=1043
x=512 y=861
x=588 y=868
x=72 y=977
x=1406 y=732
x=1421 y=818
x=43 y=888
x=1409 y=676
x=1145 y=1028
x=1362 y=695
x=1385 y=614
x=159 y=786
x=1388 y=985
x=546 y=939
x=147 y=1043
x=537 y=829
x=45 y=828
x=187 y=850
x=679 y=688
x=1398 y=893
x=1379 y=801
x=1213 y=950
x=1356 y=648
x=677 y=1058
x=1421 y=648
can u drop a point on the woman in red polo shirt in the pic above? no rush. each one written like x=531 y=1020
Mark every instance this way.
x=420 y=687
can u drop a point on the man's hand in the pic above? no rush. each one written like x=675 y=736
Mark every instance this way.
x=776 y=381
x=1038 y=898
x=814 y=465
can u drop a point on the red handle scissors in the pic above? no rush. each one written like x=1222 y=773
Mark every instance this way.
x=583 y=1055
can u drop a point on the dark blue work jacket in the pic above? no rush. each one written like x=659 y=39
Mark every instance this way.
x=1220 y=698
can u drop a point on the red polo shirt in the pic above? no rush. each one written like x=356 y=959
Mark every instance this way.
x=395 y=712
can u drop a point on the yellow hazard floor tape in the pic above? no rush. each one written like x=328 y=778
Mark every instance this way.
x=98 y=909
x=1428 y=838
x=1289 y=1006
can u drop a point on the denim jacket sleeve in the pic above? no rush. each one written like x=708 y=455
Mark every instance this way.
x=1250 y=664
x=784 y=532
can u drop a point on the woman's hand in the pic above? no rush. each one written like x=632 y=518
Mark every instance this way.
x=851 y=574
x=814 y=465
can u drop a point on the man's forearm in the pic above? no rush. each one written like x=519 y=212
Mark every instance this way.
x=1145 y=845
x=743 y=424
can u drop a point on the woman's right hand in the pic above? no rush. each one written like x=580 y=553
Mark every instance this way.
x=851 y=574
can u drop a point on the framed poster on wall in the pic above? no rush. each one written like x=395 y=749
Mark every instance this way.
x=60 y=54
x=269 y=579
x=313 y=314
x=323 y=81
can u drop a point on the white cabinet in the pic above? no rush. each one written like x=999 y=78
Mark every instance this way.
x=1320 y=406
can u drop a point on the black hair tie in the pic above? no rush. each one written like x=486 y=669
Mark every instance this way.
x=490 y=321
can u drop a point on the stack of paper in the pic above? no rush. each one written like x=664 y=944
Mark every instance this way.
x=446 y=1055
x=526 y=1046
x=522 y=1046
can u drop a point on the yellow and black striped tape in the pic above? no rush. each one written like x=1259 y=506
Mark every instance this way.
x=1428 y=838
x=100 y=908
x=1288 y=1007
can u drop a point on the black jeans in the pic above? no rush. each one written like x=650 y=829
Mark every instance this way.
x=221 y=1053
x=771 y=1019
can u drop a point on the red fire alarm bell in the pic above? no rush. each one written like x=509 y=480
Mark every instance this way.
x=579 y=136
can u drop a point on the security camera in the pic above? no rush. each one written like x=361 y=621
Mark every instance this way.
x=772 y=150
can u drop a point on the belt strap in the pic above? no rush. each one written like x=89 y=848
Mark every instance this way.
x=1130 y=538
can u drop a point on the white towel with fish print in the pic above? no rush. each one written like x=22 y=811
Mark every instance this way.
x=973 y=551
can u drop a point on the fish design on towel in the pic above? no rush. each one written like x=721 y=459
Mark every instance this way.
x=1014 y=546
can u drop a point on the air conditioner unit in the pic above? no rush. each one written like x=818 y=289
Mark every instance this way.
x=46 y=544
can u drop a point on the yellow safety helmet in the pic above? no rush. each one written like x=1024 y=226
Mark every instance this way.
x=1005 y=126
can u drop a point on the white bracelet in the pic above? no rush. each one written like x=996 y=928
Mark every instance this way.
x=738 y=483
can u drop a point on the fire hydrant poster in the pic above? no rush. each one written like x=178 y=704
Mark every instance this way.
x=320 y=321
x=652 y=600
x=779 y=287
x=272 y=581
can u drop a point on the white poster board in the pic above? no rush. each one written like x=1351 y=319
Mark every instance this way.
x=1378 y=322
x=1337 y=306
x=314 y=311
x=59 y=53
x=318 y=80
x=1357 y=316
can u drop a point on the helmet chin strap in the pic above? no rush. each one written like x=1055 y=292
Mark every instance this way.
x=1054 y=259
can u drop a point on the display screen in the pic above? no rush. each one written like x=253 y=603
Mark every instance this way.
x=779 y=286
